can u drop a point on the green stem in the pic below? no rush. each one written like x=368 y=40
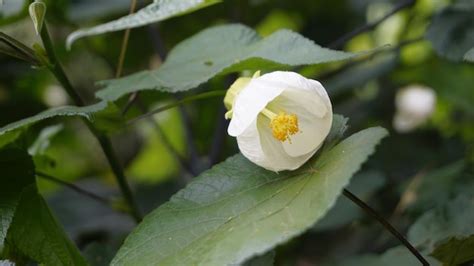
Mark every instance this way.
x=55 y=67
x=178 y=103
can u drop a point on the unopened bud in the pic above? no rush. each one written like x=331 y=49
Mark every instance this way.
x=37 y=12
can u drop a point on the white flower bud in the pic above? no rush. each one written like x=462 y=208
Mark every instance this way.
x=280 y=119
x=414 y=105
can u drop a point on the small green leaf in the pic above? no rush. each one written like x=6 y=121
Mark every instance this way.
x=87 y=112
x=237 y=210
x=37 y=234
x=447 y=232
x=44 y=139
x=396 y=256
x=26 y=224
x=230 y=48
x=469 y=56
x=157 y=11
x=17 y=173
x=451 y=32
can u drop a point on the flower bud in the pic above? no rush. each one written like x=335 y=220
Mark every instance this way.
x=37 y=12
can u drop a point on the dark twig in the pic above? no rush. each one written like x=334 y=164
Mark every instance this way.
x=386 y=224
x=370 y=26
x=71 y=186
x=331 y=73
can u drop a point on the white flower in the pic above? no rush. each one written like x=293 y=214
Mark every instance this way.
x=280 y=119
x=414 y=105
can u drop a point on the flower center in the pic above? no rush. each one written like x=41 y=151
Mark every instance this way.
x=283 y=125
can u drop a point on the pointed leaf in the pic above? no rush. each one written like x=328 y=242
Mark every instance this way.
x=451 y=32
x=25 y=219
x=220 y=50
x=17 y=173
x=37 y=234
x=237 y=210
x=86 y=112
x=157 y=11
x=447 y=232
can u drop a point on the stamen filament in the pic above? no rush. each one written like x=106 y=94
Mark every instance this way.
x=283 y=125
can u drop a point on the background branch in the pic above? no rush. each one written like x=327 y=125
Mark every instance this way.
x=339 y=43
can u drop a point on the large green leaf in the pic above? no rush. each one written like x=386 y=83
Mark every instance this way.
x=447 y=232
x=236 y=209
x=452 y=30
x=17 y=173
x=220 y=50
x=157 y=11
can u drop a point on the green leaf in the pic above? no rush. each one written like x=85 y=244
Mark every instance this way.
x=44 y=139
x=157 y=11
x=86 y=112
x=469 y=56
x=393 y=257
x=36 y=233
x=447 y=232
x=17 y=173
x=237 y=210
x=220 y=50
x=452 y=30
x=25 y=220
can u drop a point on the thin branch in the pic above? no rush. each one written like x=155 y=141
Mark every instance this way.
x=330 y=73
x=370 y=26
x=178 y=103
x=71 y=186
x=386 y=224
x=126 y=37
x=56 y=69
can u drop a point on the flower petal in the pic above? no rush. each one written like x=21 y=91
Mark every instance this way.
x=251 y=101
x=294 y=80
x=276 y=156
x=313 y=132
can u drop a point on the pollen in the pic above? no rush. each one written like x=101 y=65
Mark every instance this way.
x=284 y=125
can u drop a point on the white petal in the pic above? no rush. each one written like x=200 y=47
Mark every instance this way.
x=313 y=132
x=265 y=151
x=297 y=81
x=251 y=101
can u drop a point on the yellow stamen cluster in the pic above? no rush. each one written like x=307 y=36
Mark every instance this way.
x=284 y=125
